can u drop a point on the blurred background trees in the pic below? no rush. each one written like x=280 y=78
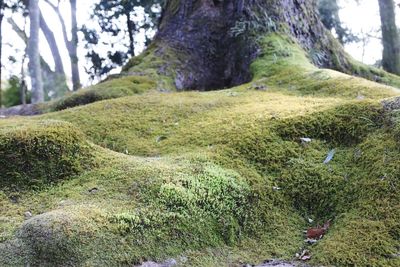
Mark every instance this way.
x=119 y=22
x=390 y=37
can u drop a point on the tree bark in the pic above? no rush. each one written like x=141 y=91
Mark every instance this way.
x=53 y=80
x=215 y=41
x=76 y=80
x=390 y=37
x=131 y=29
x=72 y=45
x=1 y=51
x=51 y=40
x=33 y=52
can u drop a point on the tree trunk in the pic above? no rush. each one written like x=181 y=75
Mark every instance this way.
x=51 y=40
x=215 y=41
x=33 y=52
x=131 y=29
x=1 y=46
x=72 y=45
x=54 y=82
x=329 y=11
x=73 y=51
x=390 y=37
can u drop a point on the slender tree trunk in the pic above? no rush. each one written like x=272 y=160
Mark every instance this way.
x=1 y=50
x=51 y=40
x=53 y=81
x=73 y=51
x=390 y=37
x=72 y=45
x=33 y=52
x=23 y=89
x=131 y=29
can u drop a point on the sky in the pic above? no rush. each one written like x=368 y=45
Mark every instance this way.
x=362 y=18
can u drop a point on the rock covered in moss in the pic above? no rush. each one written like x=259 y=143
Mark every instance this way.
x=38 y=153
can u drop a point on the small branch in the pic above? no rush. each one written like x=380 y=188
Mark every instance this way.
x=21 y=33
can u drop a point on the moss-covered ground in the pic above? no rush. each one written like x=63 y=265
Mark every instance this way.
x=216 y=178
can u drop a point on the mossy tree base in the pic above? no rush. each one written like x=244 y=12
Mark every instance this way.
x=218 y=177
x=206 y=45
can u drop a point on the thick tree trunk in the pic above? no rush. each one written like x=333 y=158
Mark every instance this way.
x=33 y=52
x=390 y=37
x=215 y=41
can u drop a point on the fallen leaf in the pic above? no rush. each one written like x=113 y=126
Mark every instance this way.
x=330 y=156
x=305 y=140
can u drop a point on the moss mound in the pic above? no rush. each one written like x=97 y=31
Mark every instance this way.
x=33 y=154
x=357 y=241
x=150 y=209
x=219 y=178
x=284 y=64
x=55 y=237
x=125 y=86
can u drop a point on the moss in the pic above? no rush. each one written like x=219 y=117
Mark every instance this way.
x=176 y=122
x=342 y=125
x=217 y=177
x=110 y=89
x=57 y=237
x=211 y=206
x=358 y=242
x=158 y=62
x=33 y=154
x=284 y=64
x=374 y=74
x=313 y=187
x=149 y=209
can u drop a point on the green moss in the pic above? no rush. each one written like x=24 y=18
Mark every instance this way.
x=40 y=153
x=148 y=209
x=374 y=74
x=159 y=63
x=342 y=125
x=153 y=208
x=217 y=178
x=110 y=89
x=322 y=183
x=284 y=64
x=356 y=241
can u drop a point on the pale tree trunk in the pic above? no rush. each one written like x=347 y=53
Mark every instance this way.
x=1 y=50
x=72 y=45
x=51 y=40
x=22 y=34
x=73 y=51
x=390 y=37
x=53 y=80
x=33 y=52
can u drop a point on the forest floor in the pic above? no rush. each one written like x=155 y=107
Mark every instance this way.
x=123 y=173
